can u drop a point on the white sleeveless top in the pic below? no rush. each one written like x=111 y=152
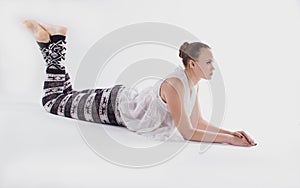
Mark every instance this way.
x=147 y=114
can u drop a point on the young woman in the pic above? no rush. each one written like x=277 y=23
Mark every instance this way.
x=172 y=104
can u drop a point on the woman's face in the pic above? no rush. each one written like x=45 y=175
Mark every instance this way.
x=204 y=64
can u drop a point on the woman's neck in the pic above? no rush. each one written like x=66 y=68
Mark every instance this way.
x=191 y=78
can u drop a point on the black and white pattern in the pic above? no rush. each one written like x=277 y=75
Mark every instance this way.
x=94 y=105
x=103 y=105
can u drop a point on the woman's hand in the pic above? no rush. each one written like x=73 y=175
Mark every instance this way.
x=242 y=134
x=238 y=141
x=241 y=138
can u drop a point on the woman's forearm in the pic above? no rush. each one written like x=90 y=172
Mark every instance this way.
x=204 y=125
x=207 y=136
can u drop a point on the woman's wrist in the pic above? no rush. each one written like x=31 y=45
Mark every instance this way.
x=224 y=138
x=229 y=138
x=226 y=132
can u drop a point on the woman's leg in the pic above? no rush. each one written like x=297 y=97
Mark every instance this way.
x=95 y=105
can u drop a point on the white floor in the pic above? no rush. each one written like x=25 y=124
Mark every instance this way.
x=42 y=150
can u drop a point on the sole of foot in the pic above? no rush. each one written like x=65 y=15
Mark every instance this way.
x=55 y=29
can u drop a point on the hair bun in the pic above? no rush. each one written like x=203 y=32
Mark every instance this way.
x=182 y=49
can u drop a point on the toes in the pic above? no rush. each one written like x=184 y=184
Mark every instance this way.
x=28 y=23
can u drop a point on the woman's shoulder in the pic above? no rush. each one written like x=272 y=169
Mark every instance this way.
x=176 y=77
x=173 y=81
x=171 y=86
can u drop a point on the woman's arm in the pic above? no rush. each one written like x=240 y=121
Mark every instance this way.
x=202 y=124
x=172 y=90
x=207 y=136
x=199 y=123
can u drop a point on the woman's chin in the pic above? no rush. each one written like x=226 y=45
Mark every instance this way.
x=208 y=77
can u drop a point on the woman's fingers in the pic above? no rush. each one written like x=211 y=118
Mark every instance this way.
x=246 y=136
x=250 y=140
x=246 y=141
x=242 y=139
x=235 y=140
x=237 y=134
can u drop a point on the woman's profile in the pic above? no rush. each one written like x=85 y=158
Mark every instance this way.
x=172 y=104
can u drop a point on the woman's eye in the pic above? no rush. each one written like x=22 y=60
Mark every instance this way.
x=208 y=62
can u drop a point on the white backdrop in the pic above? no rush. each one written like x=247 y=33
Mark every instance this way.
x=256 y=44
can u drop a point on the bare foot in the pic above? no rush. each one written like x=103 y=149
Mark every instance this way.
x=55 y=29
x=39 y=33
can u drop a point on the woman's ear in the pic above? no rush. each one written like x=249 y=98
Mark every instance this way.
x=191 y=63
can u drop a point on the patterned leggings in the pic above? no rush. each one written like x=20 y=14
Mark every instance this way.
x=94 y=105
